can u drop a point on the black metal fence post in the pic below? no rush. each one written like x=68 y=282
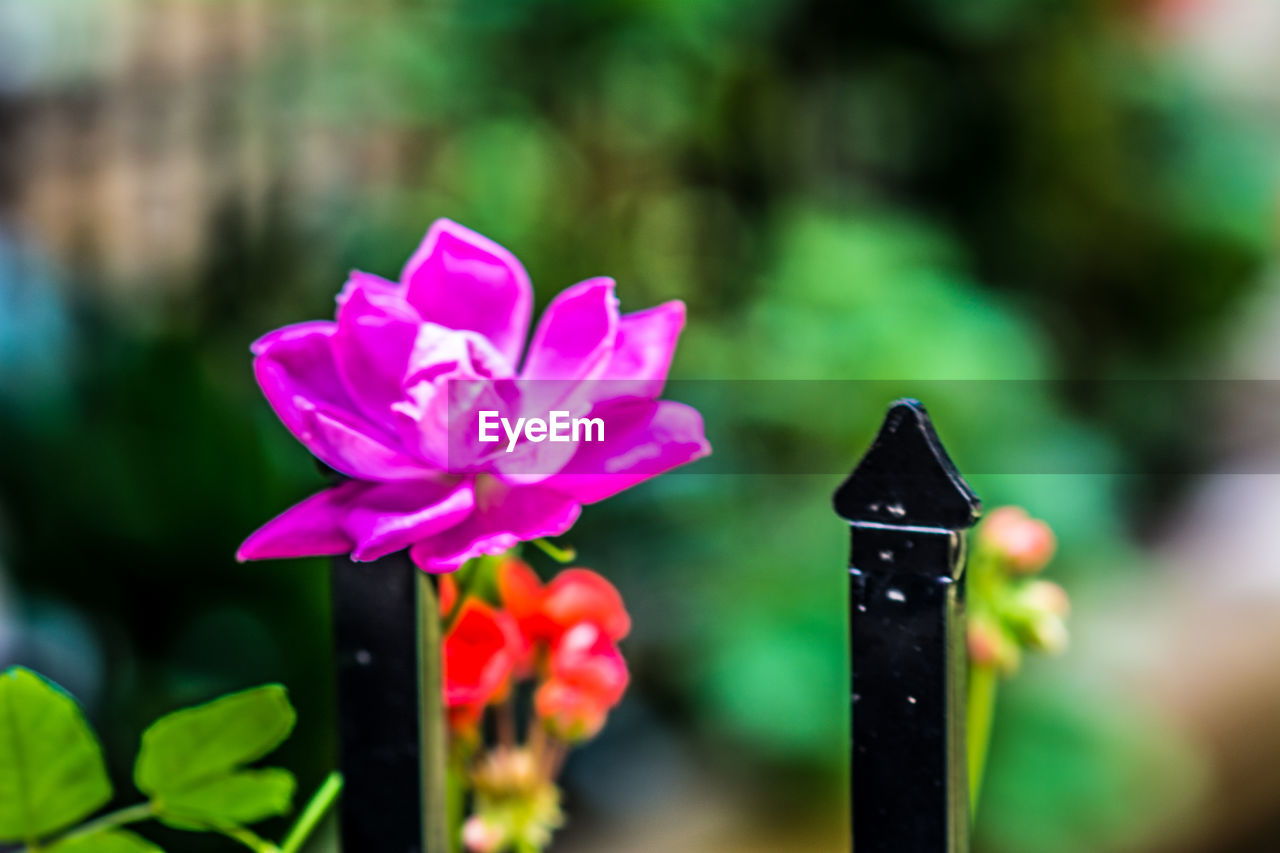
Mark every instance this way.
x=907 y=507
x=375 y=623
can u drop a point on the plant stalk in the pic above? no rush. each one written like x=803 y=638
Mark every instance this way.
x=435 y=809
x=984 y=685
x=315 y=811
x=132 y=814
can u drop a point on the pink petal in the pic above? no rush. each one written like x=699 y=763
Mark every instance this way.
x=504 y=517
x=378 y=287
x=450 y=375
x=372 y=346
x=296 y=370
x=642 y=354
x=642 y=440
x=576 y=335
x=462 y=280
x=392 y=516
x=292 y=332
x=308 y=529
x=357 y=449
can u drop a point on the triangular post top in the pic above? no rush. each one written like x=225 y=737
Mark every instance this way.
x=906 y=478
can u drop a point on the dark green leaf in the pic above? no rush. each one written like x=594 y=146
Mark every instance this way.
x=51 y=768
x=195 y=745
x=231 y=800
x=112 y=841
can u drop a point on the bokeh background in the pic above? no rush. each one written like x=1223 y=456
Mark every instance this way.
x=919 y=190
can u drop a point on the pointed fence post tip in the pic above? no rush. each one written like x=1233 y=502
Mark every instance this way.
x=907 y=474
x=907 y=507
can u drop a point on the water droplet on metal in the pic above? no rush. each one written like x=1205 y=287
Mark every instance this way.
x=895 y=595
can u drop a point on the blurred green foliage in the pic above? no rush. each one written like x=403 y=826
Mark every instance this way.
x=910 y=192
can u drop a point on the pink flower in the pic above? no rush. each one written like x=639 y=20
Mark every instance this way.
x=368 y=395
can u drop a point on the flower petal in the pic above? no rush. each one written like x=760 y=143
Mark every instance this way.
x=642 y=354
x=392 y=516
x=291 y=332
x=504 y=517
x=372 y=345
x=296 y=370
x=308 y=529
x=462 y=280
x=644 y=439
x=576 y=334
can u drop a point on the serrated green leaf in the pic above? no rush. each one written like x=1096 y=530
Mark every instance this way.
x=112 y=841
x=51 y=768
x=197 y=744
x=231 y=800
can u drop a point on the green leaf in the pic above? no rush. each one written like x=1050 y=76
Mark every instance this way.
x=112 y=841
x=51 y=768
x=227 y=801
x=197 y=744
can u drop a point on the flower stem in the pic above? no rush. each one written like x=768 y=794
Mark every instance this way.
x=132 y=814
x=984 y=684
x=321 y=801
x=506 y=721
x=434 y=747
x=251 y=840
x=560 y=555
x=457 y=803
x=465 y=578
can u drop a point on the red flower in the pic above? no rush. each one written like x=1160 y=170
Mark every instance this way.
x=480 y=653
x=587 y=678
x=578 y=596
x=522 y=595
x=448 y=595
x=574 y=597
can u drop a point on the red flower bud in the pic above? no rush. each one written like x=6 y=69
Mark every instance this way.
x=480 y=653
x=1025 y=544
x=573 y=597
x=571 y=714
x=448 y=595
x=580 y=595
x=990 y=645
x=522 y=595
x=588 y=677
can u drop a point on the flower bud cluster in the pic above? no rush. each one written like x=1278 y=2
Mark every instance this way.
x=562 y=637
x=1010 y=609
